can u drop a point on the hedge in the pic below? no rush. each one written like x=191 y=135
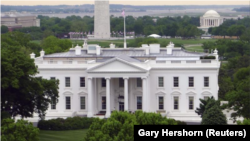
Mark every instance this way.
x=70 y=123
x=207 y=57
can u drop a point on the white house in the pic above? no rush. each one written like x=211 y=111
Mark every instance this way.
x=94 y=81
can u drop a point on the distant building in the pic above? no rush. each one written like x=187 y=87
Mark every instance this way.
x=206 y=36
x=15 y=20
x=210 y=19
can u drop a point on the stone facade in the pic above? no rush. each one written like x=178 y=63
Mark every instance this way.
x=95 y=81
x=102 y=20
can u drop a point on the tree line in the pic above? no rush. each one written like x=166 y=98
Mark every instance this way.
x=146 y=25
x=232 y=28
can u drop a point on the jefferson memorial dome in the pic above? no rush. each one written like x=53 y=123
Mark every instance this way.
x=210 y=19
x=211 y=13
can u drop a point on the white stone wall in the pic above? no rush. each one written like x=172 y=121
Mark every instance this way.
x=102 y=20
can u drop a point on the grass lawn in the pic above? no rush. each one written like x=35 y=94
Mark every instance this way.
x=69 y=135
x=194 y=48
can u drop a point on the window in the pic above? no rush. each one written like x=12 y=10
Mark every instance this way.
x=104 y=102
x=103 y=82
x=206 y=81
x=82 y=102
x=82 y=81
x=68 y=103
x=160 y=82
x=139 y=82
x=176 y=81
x=191 y=103
x=67 y=81
x=121 y=82
x=139 y=102
x=176 y=103
x=206 y=97
x=191 y=81
x=52 y=78
x=53 y=104
x=161 y=103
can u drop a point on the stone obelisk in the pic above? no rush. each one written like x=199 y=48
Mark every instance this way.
x=102 y=20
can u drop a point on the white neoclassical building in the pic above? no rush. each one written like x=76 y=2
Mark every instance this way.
x=95 y=81
x=210 y=19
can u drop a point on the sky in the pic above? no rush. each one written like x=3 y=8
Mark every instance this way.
x=128 y=2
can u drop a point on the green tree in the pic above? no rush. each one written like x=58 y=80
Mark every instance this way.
x=4 y=29
x=20 y=131
x=213 y=114
x=200 y=111
x=239 y=98
x=22 y=38
x=244 y=122
x=22 y=93
x=120 y=126
x=52 y=44
x=246 y=35
x=48 y=33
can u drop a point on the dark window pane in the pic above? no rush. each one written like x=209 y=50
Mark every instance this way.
x=121 y=82
x=176 y=81
x=139 y=102
x=139 y=82
x=103 y=82
x=68 y=103
x=82 y=101
x=160 y=82
x=67 y=81
x=104 y=102
x=82 y=81
x=191 y=81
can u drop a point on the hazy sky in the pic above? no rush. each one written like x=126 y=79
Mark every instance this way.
x=128 y=2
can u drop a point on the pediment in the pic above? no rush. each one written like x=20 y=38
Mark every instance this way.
x=116 y=65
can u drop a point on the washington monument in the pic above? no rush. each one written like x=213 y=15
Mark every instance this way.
x=102 y=20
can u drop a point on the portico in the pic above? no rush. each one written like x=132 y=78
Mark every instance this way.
x=111 y=82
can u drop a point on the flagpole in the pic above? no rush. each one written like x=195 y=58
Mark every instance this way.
x=125 y=45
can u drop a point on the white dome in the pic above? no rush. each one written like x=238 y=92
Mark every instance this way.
x=211 y=13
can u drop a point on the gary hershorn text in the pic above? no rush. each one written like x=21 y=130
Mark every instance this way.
x=159 y=131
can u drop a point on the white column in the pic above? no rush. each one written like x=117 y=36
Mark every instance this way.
x=90 y=98
x=125 y=93
x=144 y=95
x=108 y=113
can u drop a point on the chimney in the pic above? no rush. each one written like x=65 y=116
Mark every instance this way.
x=170 y=48
x=42 y=53
x=144 y=45
x=216 y=54
x=112 y=45
x=77 y=50
x=98 y=50
x=154 y=48
x=32 y=55
x=147 y=50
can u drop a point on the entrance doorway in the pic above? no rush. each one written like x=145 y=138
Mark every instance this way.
x=121 y=106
